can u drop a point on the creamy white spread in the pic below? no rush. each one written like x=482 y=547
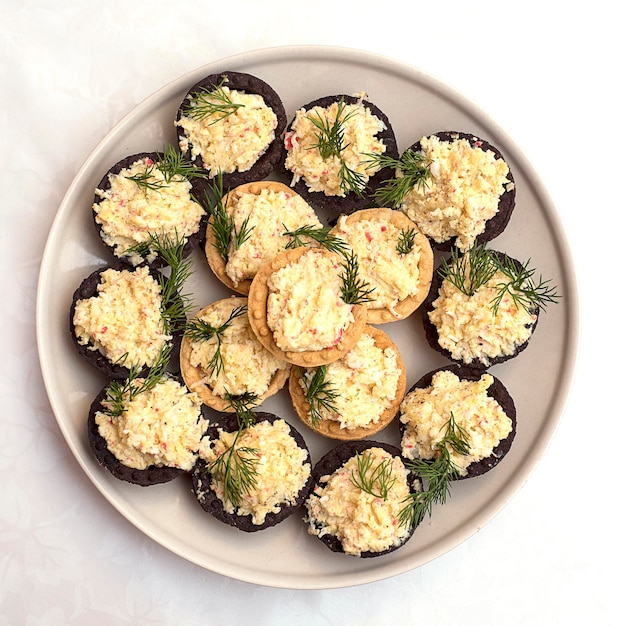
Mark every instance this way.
x=427 y=411
x=234 y=142
x=360 y=129
x=366 y=379
x=468 y=328
x=305 y=310
x=393 y=276
x=269 y=213
x=280 y=464
x=159 y=427
x=129 y=213
x=361 y=521
x=247 y=366
x=123 y=321
x=462 y=195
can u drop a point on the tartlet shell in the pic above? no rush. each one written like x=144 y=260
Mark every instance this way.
x=333 y=460
x=271 y=158
x=208 y=499
x=351 y=202
x=193 y=375
x=191 y=242
x=257 y=312
x=432 y=334
x=331 y=428
x=499 y=393
x=405 y=307
x=496 y=225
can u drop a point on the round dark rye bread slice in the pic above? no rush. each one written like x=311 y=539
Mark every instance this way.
x=499 y=393
x=506 y=204
x=335 y=459
x=88 y=288
x=432 y=334
x=336 y=205
x=191 y=242
x=152 y=475
x=247 y=83
x=211 y=503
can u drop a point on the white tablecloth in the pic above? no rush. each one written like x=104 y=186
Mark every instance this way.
x=549 y=73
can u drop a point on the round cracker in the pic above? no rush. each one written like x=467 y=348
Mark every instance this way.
x=193 y=375
x=405 y=307
x=257 y=313
x=331 y=428
x=214 y=258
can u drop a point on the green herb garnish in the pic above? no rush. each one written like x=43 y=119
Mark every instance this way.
x=470 y=271
x=320 y=235
x=206 y=102
x=199 y=330
x=412 y=170
x=438 y=473
x=354 y=290
x=331 y=143
x=320 y=394
x=173 y=167
x=374 y=480
x=406 y=241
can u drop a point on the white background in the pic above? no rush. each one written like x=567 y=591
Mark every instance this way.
x=549 y=73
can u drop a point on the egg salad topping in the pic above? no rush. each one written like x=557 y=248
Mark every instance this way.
x=281 y=467
x=123 y=321
x=129 y=212
x=426 y=412
x=469 y=328
x=234 y=142
x=159 y=427
x=366 y=379
x=362 y=521
x=246 y=366
x=305 y=310
x=394 y=276
x=359 y=128
x=463 y=193
x=270 y=214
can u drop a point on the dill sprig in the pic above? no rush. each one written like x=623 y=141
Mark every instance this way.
x=173 y=167
x=438 y=474
x=376 y=480
x=331 y=142
x=223 y=225
x=236 y=467
x=198 y=330
x=412 y=170
x=406 y=241
x=120 y=392
x=319 y=393
x=207 y=102
x=320 y=235
x=354 y=290
x=470 y=271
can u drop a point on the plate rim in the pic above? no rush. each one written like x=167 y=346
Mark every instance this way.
x=559 y=401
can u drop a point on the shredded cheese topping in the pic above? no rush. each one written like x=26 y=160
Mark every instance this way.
x=281 y=468
x=123 y=321
x=128 y=213
x=161 y=426
x=305 y=310
x=270 y=213
x=394 y=276
x=247 y=365
x=366 y=379
x=468 y=328
x=360 y=129
x=464 y=192
x=427 y=411
x=231 y=143
x=361 y=521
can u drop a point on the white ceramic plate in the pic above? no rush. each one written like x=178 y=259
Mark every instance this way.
x=538 y=379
